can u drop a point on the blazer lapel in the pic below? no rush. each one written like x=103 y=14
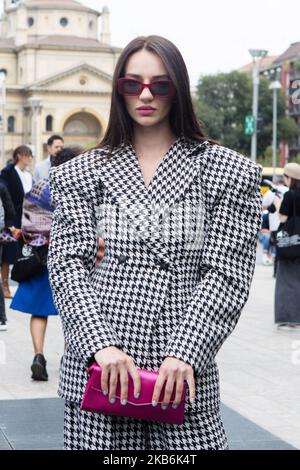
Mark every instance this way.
x=124 y=183
x=167 y=194
x=122 y=177
x=175 y=174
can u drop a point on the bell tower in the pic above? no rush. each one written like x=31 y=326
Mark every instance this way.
x=8 y=4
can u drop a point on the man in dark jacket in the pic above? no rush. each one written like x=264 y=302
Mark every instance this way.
x=18 y=181
x=9 y=215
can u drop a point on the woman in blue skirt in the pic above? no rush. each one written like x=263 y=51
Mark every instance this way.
x=34 y=295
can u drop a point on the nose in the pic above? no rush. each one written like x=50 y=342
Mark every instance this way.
x=146 y=94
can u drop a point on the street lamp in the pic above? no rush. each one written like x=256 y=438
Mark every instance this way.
x=275 y=86
x=36 y=106
x=257 y=55
x=2 y=113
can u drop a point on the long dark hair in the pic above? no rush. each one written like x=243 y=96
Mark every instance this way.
x=295 y=184
x=65 y=155
x=183 y=120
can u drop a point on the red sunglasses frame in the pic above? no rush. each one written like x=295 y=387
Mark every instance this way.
x=122 y=80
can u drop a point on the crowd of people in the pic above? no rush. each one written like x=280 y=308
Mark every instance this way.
x=281 y=203
x=27 y=210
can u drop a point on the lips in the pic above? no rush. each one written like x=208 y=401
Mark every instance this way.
x=145 y=110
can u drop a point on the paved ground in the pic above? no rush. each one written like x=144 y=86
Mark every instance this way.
x=260 y=381
x=260 y=365
x=38 y=425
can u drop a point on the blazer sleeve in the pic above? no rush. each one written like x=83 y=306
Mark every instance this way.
x=227 y=266
x=8 y=206
x=72 y=255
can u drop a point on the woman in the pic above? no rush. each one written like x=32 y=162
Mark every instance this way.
x=264 y=238
x=34 y=295
x=7 y=216
x=287 y=289
x=164 y=297
x=19 y=182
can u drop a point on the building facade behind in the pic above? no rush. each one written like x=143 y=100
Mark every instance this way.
x=286 y=69
x=58 y=68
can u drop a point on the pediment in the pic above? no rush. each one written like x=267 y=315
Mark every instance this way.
x=81 y=79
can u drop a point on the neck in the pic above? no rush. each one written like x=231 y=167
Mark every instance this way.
x=21 y=166
x=153 y=138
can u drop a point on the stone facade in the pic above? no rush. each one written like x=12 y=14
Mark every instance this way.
x=58 y=70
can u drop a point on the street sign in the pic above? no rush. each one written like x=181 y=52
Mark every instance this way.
x=249 y=125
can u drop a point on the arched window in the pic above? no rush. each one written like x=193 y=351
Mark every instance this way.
x=49 y=123
x=11 y=122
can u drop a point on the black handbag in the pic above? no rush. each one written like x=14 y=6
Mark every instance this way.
x=30 y=263
x=288 y=238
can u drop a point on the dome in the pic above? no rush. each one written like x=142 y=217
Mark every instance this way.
x=59 y=5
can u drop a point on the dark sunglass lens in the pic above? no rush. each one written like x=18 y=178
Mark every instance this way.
x=131 y=87
x=162 y=88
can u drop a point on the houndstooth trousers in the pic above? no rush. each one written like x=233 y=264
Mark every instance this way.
x=88 y=431
x=157 y=293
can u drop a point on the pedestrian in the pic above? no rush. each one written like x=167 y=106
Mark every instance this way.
x=55 y=144
x=264 y=238
x=277 y=188
x=18 y=180
x=165 y=295
x=287 y=288
x=34 y=295
x=6 y=221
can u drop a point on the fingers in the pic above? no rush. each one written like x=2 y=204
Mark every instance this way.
x=192 y=387
x=160 y=381
x=178 y=392
x=168 y=392
x=172 y=374
x=100 y=251
x=101 y=244
x=136 y=380
x=124 y=386
x=115 y=369
x=113 y=382
x=104 y=380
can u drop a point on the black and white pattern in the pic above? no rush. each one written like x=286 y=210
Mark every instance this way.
x=152 y=296
x=87 y=431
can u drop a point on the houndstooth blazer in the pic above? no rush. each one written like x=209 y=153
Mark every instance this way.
x=159 y=291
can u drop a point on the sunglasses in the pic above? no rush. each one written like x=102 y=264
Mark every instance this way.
x=159 y=88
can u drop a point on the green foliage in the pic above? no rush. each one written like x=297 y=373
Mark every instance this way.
x=296 y=159
x=267 y=158
x=297 y=64
x=224 y=100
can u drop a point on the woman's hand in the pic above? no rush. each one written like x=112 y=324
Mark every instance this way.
x=116 y=365
x=100 y=252
x=173 y=372
x=16 y=232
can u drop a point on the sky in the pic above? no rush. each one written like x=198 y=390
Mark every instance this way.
x=213 y=35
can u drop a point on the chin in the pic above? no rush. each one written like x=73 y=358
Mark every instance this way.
x=148 y=121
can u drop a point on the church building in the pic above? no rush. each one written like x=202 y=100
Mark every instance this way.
x=56 y=68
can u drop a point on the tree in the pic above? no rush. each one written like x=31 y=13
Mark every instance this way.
x=222 y=101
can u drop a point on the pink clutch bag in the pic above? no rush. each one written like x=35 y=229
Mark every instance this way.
x=141 y=408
